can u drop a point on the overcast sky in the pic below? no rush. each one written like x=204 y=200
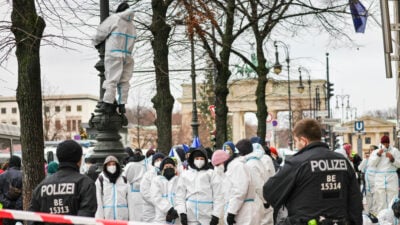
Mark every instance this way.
x=356 y=71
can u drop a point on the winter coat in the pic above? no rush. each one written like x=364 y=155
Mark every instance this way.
x=66 y=192
x=316 y=182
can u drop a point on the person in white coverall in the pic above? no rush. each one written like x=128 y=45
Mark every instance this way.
x=259 y=176
x=163 y=191
x=199 y=198
x=240 y=194
x=268 y=170
x=134 y=171
x=386 y=160
x=119 y=34
x=112 y=192
x=148 y=210
x=369 y=181
x=390 y=216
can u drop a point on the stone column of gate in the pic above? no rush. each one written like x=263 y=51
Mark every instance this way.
x=296 y=116
x=238 y=126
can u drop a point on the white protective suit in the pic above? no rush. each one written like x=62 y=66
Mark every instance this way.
x=134 y=172
x=386 y=185
x=148 y=210
x=199 y=194
x=119 y=32
x=261 y=170
x=240 y=193
x=369 y=177
x=112 y=199
x=163 y=194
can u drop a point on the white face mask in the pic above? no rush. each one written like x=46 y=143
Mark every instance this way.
x=199 y=163
x=219 y=169
x=157 y=164
x=112 y=169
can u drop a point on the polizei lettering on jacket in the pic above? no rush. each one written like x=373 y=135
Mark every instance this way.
x=58 y=189
x=323 y=165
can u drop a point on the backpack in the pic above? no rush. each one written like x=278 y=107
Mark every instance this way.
x=101 y=179
x=14 y=192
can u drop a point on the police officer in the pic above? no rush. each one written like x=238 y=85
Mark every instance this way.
x=316 y=185
x=67 y=191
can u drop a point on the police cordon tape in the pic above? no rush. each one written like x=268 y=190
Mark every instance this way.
x=66 y=219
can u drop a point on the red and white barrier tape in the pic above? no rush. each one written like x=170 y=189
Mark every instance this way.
x=67 y=219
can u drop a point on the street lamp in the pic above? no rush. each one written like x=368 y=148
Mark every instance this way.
x=342 y=98
x=277 y=70
x=300 y=88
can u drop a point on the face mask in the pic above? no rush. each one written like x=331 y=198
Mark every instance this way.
x=169 y=173
x=199 y=163
x=219 y=169
x=112 y=169
x=157 y=164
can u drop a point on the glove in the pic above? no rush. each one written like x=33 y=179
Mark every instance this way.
x=184 y=219
x=266 y=205
x=214 y=220
x=230 y=219
x=171 y=214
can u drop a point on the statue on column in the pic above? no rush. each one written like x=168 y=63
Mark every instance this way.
x=118 y=32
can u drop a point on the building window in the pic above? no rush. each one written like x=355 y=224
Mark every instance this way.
x=3 y=110
x=368 y=140
x=14 y=110
x=14 y=123
x=79 y=123
x=57 y=108
x=46 y=109
x=79 y=108
x=74 y=125
x=5 y=122
x=68 y=108
x=58 y=125
x=68 y=125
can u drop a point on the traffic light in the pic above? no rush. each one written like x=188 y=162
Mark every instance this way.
x=330 y=90
x=336 y=142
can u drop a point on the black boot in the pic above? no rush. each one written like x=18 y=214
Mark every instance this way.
x=107 y=107
x=121 y=109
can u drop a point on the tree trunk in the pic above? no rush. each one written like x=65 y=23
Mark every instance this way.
x=28 y=29
x=163 y=101
x=221 y=82
x=262 y=108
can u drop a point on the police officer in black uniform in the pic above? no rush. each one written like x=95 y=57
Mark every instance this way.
x=67 y=191
x=316 y=185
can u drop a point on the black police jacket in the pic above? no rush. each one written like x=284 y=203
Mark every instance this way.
x=316 y=182
x=65 y=192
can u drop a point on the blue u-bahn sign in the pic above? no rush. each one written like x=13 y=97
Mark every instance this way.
x=359 y=126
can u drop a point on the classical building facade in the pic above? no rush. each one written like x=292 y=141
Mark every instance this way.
x=242 y=99
x=63 y=115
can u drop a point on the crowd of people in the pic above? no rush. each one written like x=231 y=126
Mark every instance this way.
x=242 y=183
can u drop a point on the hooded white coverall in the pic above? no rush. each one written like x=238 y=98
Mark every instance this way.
x=369 y=176
x=112 y=200
x=386 y=183
x=163 y=194
x=261 y=170
x=148 y=210
x=199 y=196
x=134 y=172
x=119 y=32
x=240 y=193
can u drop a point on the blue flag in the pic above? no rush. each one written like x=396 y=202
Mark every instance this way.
x=359 y=14
x=196 y=142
